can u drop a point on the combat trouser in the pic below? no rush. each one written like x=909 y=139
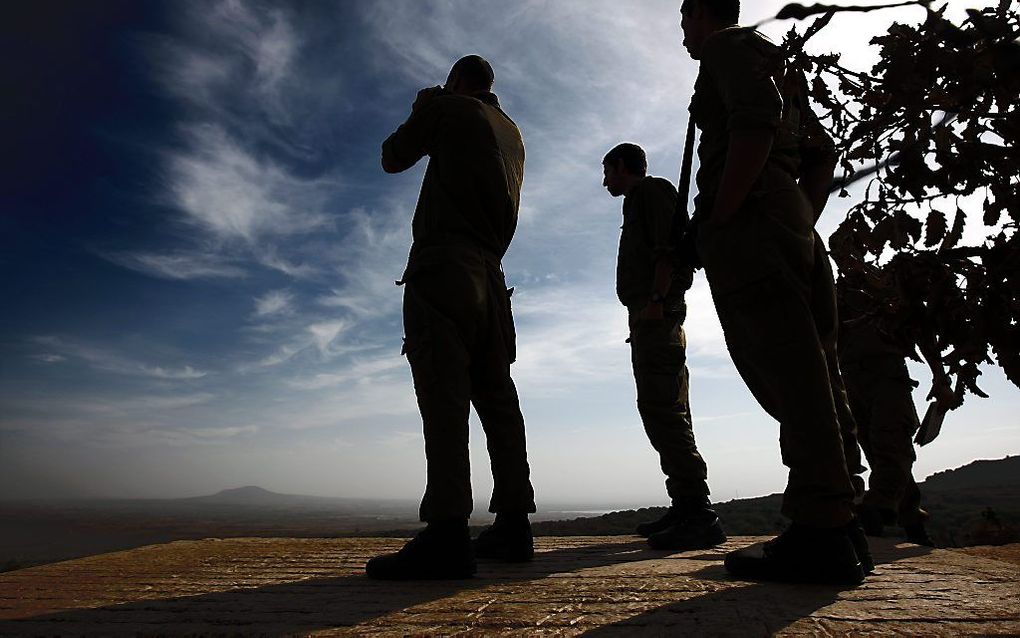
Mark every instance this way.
x=881 y=397
x=760 y=267
x=659 y=359
x=823 y=291
x=460 y=342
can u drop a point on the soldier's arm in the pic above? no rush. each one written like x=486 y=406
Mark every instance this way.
x=817 y=153
x=745 y=157
x=659 y=206
x=414 y=138
x=815 y=181
x=754 y=108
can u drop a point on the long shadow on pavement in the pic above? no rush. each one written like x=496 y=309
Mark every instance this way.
x=752 y=609
x=345 y=601
x=311 y=604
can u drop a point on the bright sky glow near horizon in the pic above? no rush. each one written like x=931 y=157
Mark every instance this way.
x=199 y=249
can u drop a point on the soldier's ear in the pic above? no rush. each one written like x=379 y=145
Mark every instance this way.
x=452 y=80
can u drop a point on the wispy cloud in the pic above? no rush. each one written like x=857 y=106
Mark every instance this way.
x=269 y=256
x=283 y=355
x=323 y=334
x=370 y=258
x=180 y=265
x=227 y=190
x=175 y=436
x=238 y=172
x=358 y=371
x=112 y=361
x=560 y=349
x=274 y=302
x=159 y=372
x=46 y=357
x=135 y=405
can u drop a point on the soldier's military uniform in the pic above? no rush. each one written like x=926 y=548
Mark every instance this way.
x=762 y=266
x=459 y=332
x=814 y=147
x=880 y=391
x=658 y=347
x=826 y=315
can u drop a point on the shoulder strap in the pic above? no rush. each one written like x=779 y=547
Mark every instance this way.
x=681 y=217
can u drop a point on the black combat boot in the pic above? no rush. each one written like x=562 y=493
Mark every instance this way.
x=698 y=529
x=440 y=551
x=874 y=519
x=646 y=529
x=918 y=535
x=801 y=554
x=507 y=539
x=860 y=542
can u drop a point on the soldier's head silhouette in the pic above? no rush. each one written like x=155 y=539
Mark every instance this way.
x=470 y=74
x=622 y=167
x=701 y=18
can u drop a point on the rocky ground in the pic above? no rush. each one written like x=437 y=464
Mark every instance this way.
x=577 y=585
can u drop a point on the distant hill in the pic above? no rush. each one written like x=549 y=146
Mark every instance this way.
x=248 y=495
x=37 y=532
x=976 y=504
x=251 y=496
x=983 y=473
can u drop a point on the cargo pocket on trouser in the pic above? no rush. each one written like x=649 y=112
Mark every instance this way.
x=418 y=344
x=659 y=391
x=657 y=346
x=419 y=353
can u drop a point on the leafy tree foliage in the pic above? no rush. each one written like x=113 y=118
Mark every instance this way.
x=933 y=132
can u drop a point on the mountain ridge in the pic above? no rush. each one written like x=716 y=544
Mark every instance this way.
x=977 y=503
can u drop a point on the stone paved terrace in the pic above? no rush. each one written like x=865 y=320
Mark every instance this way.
x=579 y=585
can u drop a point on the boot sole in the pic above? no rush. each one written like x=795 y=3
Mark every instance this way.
x=709 y=543
x=644 y=533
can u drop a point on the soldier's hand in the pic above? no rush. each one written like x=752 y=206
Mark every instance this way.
x=652 y=312
x=942 y=393
x=688 y=250
x=425 y=95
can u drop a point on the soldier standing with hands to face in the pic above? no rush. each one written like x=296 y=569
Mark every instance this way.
x=755 y=237
x=459 y=331
x=651 y=284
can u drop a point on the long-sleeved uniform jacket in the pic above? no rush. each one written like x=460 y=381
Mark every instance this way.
x=471 y=192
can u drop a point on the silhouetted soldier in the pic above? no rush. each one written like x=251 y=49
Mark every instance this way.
x=459 y=331
x=804 y=142
x=756 y=240
x=651 y=284
x=880 y=391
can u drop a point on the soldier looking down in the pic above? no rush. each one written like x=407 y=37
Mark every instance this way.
x=651 y=283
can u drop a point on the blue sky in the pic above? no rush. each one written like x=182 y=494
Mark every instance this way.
x=199 y=249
